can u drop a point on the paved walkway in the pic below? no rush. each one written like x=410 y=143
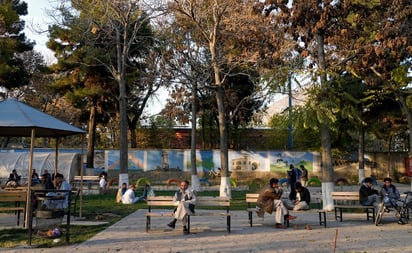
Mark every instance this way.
x=354 y=234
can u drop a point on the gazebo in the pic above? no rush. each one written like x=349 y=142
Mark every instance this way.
x=18 y=119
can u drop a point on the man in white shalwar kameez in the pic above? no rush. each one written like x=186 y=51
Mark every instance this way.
x=185 y=200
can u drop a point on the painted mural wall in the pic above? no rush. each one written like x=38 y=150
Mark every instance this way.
x=168 y=159
x=378 y=164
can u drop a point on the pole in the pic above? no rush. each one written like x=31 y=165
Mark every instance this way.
x=81 y=181
x=56 y=160
x=290 y=127
x=28 y=200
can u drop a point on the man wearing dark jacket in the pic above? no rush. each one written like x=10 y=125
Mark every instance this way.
x=300 y=199
x=367 y=195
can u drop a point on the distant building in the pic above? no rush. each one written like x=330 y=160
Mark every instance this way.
x=280 y=105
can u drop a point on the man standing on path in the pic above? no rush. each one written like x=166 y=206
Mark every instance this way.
x=269 y=200
x=185 y=199
x=291 y=174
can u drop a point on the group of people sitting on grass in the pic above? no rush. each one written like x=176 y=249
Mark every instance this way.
x=127 y=196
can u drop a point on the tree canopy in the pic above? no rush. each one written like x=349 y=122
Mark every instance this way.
x=13 y=43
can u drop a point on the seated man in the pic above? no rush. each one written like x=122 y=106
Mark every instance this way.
x=14 y=179
x=300 y=200
x=46 y=182
x=390 y=193
x=35 y=179
x=185 y=199
x=61 y=184
x=147 y=192
x=120 y=192
x=269 y=200
x=368 y=196
x=129 y=197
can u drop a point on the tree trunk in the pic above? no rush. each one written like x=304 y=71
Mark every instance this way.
x=327 y=167
x=121 y=63
x=361 y=155
x=225 y=190
x=195 y=178
x=388 y=172
x=123 y=176
x=133 y=136
x=92 y=136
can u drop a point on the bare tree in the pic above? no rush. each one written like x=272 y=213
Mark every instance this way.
x=124 y=25
x=216 y=26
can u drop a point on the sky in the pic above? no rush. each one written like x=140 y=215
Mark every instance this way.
x=38 y=20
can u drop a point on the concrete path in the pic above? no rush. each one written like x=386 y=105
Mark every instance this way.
x=354 y=234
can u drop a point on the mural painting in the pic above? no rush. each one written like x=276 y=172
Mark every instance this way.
x=209 y=160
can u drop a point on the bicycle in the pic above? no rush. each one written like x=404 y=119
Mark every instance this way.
x=213 y=173
x=402 y=211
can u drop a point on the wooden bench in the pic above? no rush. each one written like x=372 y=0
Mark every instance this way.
x=222 y=204
x=350 y=200
x=88 y=180
x=15 y=197
x=251 y=200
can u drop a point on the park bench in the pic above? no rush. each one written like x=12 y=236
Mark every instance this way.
x=87 y=180
x=220 y=205
x=251 y=200
x=350 y=200
x=11 y=201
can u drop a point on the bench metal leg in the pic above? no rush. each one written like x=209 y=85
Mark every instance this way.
x=338 y=216
x=228 y=223
x=372 y=215
x=188 y=224
x=147 y=223
x=322 y=222
x=18 y=217
x=250 y=218
x=286 y=220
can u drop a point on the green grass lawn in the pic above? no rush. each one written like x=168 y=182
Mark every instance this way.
x=98 y=207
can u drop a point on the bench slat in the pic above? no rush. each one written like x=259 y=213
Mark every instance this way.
x=86 y=178
x=159 y=214
x=202 y=213
x=12 y=208
x=212 y=203
x=353 y=206
x=10 y=196
x=160 y=203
